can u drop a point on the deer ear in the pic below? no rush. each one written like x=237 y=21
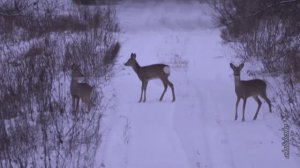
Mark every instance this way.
x=241 y=65
x=231 y=65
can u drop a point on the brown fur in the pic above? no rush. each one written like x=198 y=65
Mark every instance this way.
x=146 y=73
x=250 y=88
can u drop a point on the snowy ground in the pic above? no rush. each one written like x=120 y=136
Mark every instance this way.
x=198 y=130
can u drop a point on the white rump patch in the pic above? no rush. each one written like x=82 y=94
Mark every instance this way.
x=167 y=69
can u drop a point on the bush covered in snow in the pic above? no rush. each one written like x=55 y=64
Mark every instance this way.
x=268 y=32
x=39 y=43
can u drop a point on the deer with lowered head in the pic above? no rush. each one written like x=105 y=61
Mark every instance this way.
x=248 y=88
x=154 y=71
x=79 y=90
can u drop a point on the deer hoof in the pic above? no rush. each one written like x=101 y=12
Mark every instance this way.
x=243 y=120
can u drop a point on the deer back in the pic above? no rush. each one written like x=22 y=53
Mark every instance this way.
x=154 y=71
x=251 y=87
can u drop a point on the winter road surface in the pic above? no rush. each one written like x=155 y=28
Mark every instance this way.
x=198 y=130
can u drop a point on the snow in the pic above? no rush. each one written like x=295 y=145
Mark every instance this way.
x=198 y=130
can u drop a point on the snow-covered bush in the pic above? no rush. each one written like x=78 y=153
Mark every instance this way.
x=268 y=32
x=38 y=126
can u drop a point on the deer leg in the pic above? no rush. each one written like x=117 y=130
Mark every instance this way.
x=145 y=90
x=142 y=90
x=89 y=103
x=259 y=104
x=73 y=102
x=236 y=107
x=173 y=92
x=86 y=102
x=264 y=96
x=244 y=106
x=165 y=89
x=77 y=103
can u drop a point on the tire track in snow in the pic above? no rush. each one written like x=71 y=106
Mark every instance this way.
x=223 y=149
x=219 y=149
x=116 y=140
x=154 y=142
x=191 y=125
x=204 y=122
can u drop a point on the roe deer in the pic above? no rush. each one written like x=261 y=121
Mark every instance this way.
x=146 y=73
x=250 y=88
x=79 y=90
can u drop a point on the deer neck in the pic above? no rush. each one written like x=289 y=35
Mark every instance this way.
x=237 y=80
x=136 y=67
x=73 y=82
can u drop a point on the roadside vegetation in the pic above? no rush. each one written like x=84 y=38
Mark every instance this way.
x=266 y=34
x=40 y=40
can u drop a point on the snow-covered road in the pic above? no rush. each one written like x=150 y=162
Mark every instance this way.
x=198 y=130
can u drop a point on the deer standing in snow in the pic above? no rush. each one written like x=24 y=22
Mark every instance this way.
x=248 y=88
x=79 y=90
x=146 y=73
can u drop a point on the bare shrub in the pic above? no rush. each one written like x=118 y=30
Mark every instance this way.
x=94 y=2
x=268 y=32
x=38 y=127
x=22 y=20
